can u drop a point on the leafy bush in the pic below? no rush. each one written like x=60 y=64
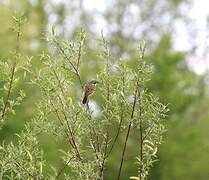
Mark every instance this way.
x=89 y=131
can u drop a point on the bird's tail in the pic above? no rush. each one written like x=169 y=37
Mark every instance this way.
x=85 y=99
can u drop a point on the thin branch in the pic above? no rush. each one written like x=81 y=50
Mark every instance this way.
x=70 y=136
x=70 y=131
x=148 y=132
x=129 y=129
x=9 y=91
x=136 y=94
x=76 y=70
x=94 y=131
x=63 y=168
x=65 y=116
x=117 y=134
x=104 y=155
x=97 y=140
x=79 y=55
x=60 y=120
x=106 y=139
x=72 y=65
x=95 y=149
x=141 y=139
x=17 y=50
x=96 y=144
x=96 y=137
x=59 y=82
x=142 y=48
x=74 y=129
x=69 y=139
x=22 y=167
x=121 y=116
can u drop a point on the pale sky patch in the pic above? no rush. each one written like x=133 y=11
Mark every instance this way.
x=183 y=38
x=200 y=13
x=98 y=5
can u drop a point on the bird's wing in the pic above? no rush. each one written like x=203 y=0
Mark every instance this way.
x=89 y=90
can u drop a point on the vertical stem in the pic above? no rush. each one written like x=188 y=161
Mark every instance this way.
x=141 y=138
x=79 y=55
x=9 y=91
x=12 y=73
x=69 y=138
x=124 y=149
x=62 y=169
x=95 y=149
x=118 y=132
x=121 y=116
x=129 y=129
x=105 y=155
x=76 y=69
x=72 y=65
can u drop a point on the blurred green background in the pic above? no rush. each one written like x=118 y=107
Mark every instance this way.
x=184 y=153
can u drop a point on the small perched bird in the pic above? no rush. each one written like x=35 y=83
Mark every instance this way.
x=89 y=89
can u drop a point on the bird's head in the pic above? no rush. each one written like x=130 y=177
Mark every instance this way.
x=94 y=82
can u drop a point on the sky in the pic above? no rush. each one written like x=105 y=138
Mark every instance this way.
x=186 y=34
x=200 y=14
x=195 y=36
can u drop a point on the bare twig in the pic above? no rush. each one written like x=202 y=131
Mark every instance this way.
x=79 y=55
x=59 y=82
x=96 y=144
x=129 y=128
x=63 y=168
x=141 y=139
x=121 y=117
x=76 y=71
x=97 y=139
x=95 y=149
x=106 y=136
x=148 y=132
x=104 y=155
x=70 y=136
x=70 y=131
x=65 y=116
x=137 y=94
x=9 y=91
x=117 y=134
x=12 y=75
x=60 y=120
x=22 y=167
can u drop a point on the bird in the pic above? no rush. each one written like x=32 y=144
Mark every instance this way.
x=89 y=89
